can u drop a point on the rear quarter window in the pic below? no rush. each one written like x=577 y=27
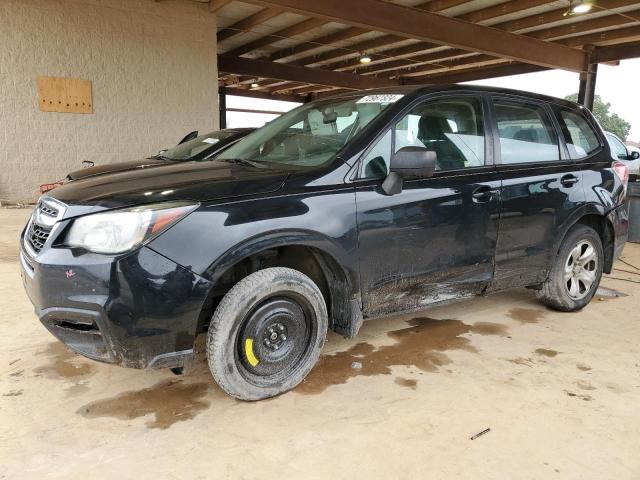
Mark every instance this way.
x=578 y=133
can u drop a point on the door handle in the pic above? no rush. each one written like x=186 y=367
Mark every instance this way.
x=569 y=180
x=484 y=194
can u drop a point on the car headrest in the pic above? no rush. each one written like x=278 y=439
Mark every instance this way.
x=431 y=127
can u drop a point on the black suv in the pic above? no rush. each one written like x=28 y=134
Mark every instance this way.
x=346 y=208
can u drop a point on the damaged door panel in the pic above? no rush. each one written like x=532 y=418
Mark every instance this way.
x=434 y=240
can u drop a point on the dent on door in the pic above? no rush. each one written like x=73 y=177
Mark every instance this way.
x=534 y=211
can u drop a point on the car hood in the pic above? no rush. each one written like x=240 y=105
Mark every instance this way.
x=195 y=181
x=117 y=167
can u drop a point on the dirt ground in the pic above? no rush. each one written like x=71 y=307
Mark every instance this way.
x=559 y=393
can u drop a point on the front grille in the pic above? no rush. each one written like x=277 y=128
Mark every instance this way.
x=48 y=210
x=43 y=220
x=37 y=236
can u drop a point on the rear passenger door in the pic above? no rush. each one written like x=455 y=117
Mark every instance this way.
x=541 y=189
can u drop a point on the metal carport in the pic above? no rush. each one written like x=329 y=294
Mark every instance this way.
x=298 y=49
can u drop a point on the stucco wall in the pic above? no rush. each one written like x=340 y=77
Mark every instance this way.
x=154 y=75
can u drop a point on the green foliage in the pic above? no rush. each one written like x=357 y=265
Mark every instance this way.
x=610 y=122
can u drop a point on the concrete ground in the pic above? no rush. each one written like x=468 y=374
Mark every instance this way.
x=559 y=393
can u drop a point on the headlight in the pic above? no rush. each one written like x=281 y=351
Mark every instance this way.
x=121 y=231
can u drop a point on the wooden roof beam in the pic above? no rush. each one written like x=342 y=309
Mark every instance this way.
x=383 y=62
x=274 y=37
x=579 y=41
x=610 y=21
x=243 y=92
x=616 y=52
x=388 y=56
x=431 y=27
x=316 y=76
x=246 y=24
x=475 y=73
x=390 y=40
x=329 y=39
x=559 y=14
x=351 y=32
x=604 y=55
x=535 y=22
x=618 y=35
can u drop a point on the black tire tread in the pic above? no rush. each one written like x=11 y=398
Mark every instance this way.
x=552 y=294
x=226 y=310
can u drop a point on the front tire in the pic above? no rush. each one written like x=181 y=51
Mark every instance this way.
x=576 y=272
x=266 y=334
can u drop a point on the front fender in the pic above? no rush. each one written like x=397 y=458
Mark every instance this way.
x=217 y=235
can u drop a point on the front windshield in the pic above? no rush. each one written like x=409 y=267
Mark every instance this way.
x=311 y=134
x=188 y=150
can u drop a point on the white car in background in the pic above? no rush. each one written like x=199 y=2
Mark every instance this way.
x=627 y=155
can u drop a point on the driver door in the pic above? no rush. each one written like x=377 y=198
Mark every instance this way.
x=436 y=239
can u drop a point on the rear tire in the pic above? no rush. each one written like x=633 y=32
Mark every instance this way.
x=576 y=271
x=266 y=334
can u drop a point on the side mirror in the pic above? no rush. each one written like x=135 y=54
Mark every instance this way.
x=634 y=155
x=190 y=136
x=409 y=162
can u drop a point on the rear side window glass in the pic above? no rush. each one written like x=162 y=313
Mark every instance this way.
x=526 y=133
x=581 y=140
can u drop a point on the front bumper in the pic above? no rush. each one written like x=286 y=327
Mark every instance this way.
x=140 y=310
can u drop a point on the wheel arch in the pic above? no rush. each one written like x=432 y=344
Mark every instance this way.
x=595 y=217
x=317 y=256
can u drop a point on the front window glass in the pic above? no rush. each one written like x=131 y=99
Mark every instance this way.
x=580 y=138
x=190 y=149
x=376 y=161
x=452 y=128
x=311 y=134
x=526 y=133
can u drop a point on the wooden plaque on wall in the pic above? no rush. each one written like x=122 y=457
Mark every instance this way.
x=65 y=95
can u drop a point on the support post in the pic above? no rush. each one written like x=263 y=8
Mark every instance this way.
x=587 y=91
x=222 y=103
x=582 y=88
x=590 y=86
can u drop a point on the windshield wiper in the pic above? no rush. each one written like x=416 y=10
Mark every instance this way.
x=244 y=161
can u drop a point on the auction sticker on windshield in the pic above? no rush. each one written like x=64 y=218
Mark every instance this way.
x=382 y=98
x=210 y=140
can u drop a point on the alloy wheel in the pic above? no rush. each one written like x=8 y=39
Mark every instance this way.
x=581 y=269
